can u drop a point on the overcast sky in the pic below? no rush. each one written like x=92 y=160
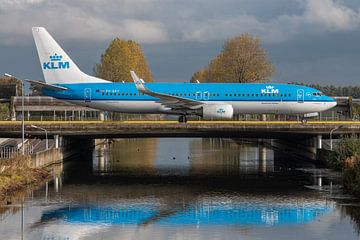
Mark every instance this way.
x=312 y=41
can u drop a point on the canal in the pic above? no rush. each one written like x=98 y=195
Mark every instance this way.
x=183 y=189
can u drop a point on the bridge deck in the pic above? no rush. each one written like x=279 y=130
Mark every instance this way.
x=122 y=129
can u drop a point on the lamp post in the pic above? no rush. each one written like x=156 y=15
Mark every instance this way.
x=22 y=113
x=331 y=133
x=46 y=136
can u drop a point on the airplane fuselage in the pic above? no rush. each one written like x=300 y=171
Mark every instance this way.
x=244 y=98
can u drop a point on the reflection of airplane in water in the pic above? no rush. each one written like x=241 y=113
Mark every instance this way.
x=209 y=211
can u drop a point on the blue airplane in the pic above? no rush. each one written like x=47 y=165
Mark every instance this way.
x=211 y=101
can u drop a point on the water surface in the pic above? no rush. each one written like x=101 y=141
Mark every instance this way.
x=180 y=189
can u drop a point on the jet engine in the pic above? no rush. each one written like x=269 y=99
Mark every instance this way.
x=217 y=111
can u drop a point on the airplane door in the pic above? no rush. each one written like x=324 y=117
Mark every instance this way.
x=87 y=94
x=198 y=96
x=206 y=96
x=300 y=95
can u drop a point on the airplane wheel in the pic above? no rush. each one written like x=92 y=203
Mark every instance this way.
x=182 y=119
x=304 y=120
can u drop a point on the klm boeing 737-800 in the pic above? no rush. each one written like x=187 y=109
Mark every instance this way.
x=65 y=81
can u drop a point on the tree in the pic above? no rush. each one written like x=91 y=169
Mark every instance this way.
x=4 y=111
x=119 y=59
x=241 y=60
x=198 y=76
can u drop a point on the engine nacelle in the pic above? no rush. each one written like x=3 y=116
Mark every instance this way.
x=217 y=111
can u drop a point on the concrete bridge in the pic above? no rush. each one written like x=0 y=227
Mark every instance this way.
x=287 y=135
x=143 y=129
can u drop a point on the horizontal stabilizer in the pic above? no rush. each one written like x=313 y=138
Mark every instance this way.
x=45 y=85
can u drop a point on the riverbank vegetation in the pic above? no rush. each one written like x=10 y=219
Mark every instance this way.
x=346 y=157
x=17 y=174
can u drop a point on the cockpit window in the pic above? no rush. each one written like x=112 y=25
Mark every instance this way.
x=318 y=94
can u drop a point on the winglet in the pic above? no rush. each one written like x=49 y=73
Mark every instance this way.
x=139 y=83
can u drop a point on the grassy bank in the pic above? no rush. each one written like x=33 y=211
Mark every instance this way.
x=16 y=174
x=346 y=158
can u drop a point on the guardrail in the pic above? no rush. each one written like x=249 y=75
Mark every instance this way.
x=8 y=152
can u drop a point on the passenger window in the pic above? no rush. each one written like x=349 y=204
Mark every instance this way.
x=257 y=94
x=226 y=94
x=102 y=93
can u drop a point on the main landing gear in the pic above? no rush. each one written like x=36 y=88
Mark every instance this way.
x=182 y=119
x=303 y=120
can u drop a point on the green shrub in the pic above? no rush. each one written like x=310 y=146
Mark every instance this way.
x=346 y=157
x=346 y=152
x=351 y=179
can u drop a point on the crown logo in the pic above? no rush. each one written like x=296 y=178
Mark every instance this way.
x=55 y=57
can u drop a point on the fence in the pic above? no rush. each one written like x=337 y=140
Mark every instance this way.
x=8 y=152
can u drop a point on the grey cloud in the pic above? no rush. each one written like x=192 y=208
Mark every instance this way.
x=308 y=40
x=156 y=21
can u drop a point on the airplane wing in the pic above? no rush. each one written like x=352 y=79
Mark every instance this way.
x=45 y=85
x=173 y=102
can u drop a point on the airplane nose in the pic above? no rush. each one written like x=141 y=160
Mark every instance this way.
x=332 y=103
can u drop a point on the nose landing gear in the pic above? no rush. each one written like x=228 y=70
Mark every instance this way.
x=182 y=119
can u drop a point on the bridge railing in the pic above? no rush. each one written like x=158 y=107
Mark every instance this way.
x=8 y=152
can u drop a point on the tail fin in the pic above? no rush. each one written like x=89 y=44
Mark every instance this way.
x=57 y=66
